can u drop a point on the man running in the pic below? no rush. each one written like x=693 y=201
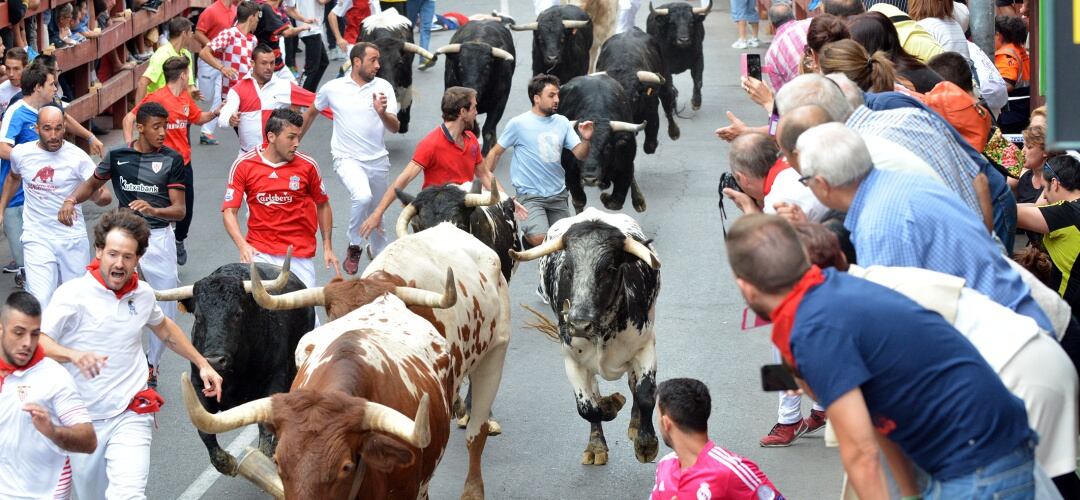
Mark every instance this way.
x=214 y=19
x=360 y=157
x=50 y=169
x=94 y=326
x=35 y=394
x=286 y=200
x=149 y=179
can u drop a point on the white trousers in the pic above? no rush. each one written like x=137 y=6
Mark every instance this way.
x=542 y=5
x=790 y=408
x=118 y=468
x=49 y=263
x=210 y=86
x=366 y=182
x=158 y=267
x=302 y=268
x=627 y=12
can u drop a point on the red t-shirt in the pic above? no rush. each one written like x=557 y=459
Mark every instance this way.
x=215 y=18
x=717 y=474
x=281 y=201
x=182 y=112
x=443 y=161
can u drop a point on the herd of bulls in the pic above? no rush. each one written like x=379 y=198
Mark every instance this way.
x=362 y=406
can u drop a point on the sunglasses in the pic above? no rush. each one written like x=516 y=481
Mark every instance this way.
x=1048 y=169
x=805 y=180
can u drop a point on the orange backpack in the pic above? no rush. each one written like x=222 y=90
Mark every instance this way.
x=962 y=111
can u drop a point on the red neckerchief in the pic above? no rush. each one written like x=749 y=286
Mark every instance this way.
x=783 y=317
x=132 y=284
x=39 y=354
x=780 y=165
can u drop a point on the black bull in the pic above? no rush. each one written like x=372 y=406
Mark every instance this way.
x=480 y=56
x=613 y=145
x=562 y=38
x=679 y=29
x=250 y=347
x=634 y=59
x=396 y=53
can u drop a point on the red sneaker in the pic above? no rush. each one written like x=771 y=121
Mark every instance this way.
x=352 y=259
x=814 y=422
x=783 y=435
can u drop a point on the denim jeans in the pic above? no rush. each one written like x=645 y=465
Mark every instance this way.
x=425 y=10
x=1011 y=477
x=1004 y=209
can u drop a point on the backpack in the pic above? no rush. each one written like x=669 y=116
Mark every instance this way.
x=962 y=111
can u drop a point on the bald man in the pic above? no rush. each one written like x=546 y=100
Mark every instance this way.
x=50 y=169
x=793 y=124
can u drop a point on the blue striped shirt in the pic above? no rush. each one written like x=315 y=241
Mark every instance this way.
x=899 y=219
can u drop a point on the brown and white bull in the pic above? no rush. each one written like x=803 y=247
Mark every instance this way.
x=390 y=348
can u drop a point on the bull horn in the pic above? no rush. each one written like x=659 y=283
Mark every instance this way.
x=382 y=418
x=261 y=471
x=598 y=73
x=525 y=27
x=181 y=293
x=453 y=48
x=703 y=11
x=416 y=49
x=424 y=298
x=480 y=200
x=307 y=297
x=617 y=126
x=568 y=24
x=549 y=246
x=255 y=412
x=280 y=281
x=650 y=77
x=639 y=250
x=404 y=219
x=659 y=12
x=501 y=54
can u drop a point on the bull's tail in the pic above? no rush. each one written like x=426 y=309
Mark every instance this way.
x=542 y=324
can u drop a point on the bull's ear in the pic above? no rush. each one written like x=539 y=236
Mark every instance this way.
x=405 y=198
x=187 y=305
x=384 y=453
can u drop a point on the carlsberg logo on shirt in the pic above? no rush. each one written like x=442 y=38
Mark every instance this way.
x=270 y=199
x=136 y=187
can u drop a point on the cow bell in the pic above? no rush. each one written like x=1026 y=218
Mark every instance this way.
x=256 y=467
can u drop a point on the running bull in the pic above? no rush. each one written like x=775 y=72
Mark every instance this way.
x=480 y=56
x=613 y=145
x=393 y=349
x=601 y=277
x=250 y=345
x=562 y=38
x=393 y=34
x=679 y=28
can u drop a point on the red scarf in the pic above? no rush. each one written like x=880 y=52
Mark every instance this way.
x=132 y=284
x=7 y=369
x=780 y=165
x=783 y=316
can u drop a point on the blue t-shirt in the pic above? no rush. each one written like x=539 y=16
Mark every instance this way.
x=538 y=143
x=18 y=126
x=926 y=386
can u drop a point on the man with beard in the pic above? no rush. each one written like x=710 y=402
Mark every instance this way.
x=94 y=326
x=149 y=179
x=364 y=108
x=35 y=393
x=449 y=154
x=286 y=200
x=697 y=467
x=50 y=169
x=538 y=137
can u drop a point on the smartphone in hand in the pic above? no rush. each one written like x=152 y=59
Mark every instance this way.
x=750 y=65
x=777 y=378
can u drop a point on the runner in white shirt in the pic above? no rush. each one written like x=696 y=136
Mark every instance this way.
x=50 y=169
x=364 y=108
x=94 y=326
x=40 y=411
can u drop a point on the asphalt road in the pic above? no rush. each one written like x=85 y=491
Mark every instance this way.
x=538 y=455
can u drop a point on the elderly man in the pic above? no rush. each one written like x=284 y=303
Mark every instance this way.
x=781 y=63
x=767 y=179
x=899 y=219
x=861 y=350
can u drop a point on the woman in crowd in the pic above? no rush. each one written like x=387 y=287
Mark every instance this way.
x=823 y=29
x=936 y=16
x=1059 y=178
x=876 y=33
x=872 y=73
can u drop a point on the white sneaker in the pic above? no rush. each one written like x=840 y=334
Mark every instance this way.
x=739 y=44
x=753 y=42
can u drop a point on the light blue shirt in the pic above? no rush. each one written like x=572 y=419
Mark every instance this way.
x=900 y=219
x=538 y=141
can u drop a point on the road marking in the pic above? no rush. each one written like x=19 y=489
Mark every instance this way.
x=209 y=476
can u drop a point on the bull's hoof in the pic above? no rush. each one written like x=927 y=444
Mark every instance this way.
x=650 y=146
x=610 y=406
x=494 y=429
x=632 y=430
x=609 y=202
x=594 y=458
x=463 y=421
x=224 y=462
x=459 y=408
x=673 y=132
x=473 y=491
x=695 y=103
x=639 y=204
x=645 y=447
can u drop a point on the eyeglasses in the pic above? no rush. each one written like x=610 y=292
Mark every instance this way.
x=1048 y=168
x=805 y=180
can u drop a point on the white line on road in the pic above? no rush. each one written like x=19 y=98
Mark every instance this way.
x=211 y=475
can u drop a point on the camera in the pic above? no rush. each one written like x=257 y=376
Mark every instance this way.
x=727 y=180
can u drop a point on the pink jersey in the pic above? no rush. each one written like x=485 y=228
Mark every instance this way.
x=717 y=474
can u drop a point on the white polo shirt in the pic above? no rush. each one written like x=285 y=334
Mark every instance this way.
x=30 y=463
x=358 y=130
x=48 y=178
x=786 y=188
x=85 y=316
